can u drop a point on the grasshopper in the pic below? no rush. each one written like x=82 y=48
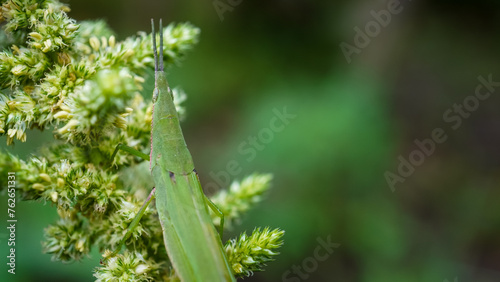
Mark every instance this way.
x=191 y=240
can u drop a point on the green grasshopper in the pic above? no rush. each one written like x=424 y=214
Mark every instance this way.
x=191 y=240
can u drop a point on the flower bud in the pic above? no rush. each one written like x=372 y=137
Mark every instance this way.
x=53 y=196
x=45 y=177
x=19 y=70
x=61 y=115
x=35 y=35
x=47 y=45
x=72 y=123
x=128 y=53
x=112 y=41
x=38 y=186
x=94 y=43
x=141 y=268
x=72 y=27
x=104 y=42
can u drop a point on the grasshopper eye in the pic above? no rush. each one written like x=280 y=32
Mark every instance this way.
x=156 y=92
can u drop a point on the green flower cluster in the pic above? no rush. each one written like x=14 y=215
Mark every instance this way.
x=250 y=253
x=240 y=197
x=129 y=267
x=79 y=81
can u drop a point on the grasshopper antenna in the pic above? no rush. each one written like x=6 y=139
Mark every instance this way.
x=153 y=34
x=161 y=47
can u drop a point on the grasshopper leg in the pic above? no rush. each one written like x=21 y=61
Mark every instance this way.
x=138 y=217
x=129 y=150
x=218 y=213
x=134 y=222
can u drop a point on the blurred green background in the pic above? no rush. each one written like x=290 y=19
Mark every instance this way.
x=353 y=121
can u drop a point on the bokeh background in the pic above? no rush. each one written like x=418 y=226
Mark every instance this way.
x=353 y=120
